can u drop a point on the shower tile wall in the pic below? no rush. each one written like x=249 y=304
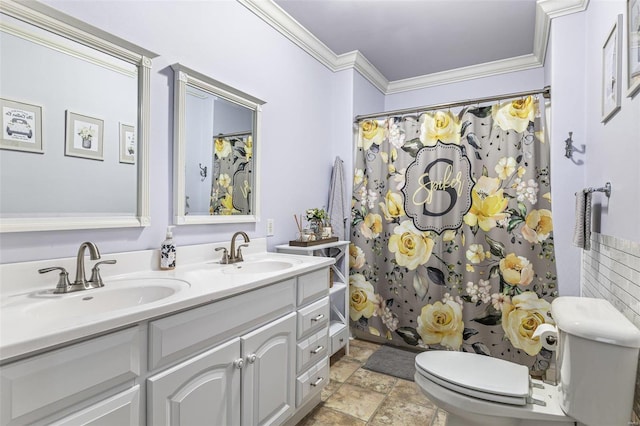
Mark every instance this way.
x=611 y=270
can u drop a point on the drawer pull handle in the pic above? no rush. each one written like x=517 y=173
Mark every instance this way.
x=238 y=363
x=318 y=318
x=317 y=382
x=252 y=358
x=318 y=349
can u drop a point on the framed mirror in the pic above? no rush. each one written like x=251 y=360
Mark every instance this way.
x=74 y=150
x=216 y=150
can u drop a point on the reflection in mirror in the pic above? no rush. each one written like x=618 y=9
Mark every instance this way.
x=215 y=151
x=75 y=111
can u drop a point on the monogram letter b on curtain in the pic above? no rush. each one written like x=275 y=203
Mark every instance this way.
x=452 y=242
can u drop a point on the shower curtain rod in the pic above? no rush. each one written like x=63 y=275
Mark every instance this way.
x=230 y=135
x=546 y=93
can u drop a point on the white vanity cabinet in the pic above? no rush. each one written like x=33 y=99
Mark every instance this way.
x=248 y=380
x=246 y=374
x=339 y=291
x=257 y=357
x=79 y=380
x=312 y=362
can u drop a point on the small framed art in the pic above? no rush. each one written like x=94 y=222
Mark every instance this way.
x=633 y=47
x=611 y=71
x=128 y=144
x=84 y=136
x=21 y=126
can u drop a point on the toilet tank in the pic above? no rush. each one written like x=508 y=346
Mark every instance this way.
x=597 y=360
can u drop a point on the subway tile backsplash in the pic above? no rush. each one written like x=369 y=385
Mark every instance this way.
x=611 y=271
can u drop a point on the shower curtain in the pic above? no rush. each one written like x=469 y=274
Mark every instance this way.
x=232 y=169
x=451 y=232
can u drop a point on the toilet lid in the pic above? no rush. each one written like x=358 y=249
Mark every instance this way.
x=476 y=375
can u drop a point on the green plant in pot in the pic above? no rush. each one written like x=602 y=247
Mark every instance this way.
x=317 y=219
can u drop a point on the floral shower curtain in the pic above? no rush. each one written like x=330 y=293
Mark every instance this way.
x=232 y=168
x=451 y=232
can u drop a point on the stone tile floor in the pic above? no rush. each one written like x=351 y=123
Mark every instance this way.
x=358 y=397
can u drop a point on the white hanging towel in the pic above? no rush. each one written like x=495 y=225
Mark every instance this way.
x=582 y=229
x=338 y=207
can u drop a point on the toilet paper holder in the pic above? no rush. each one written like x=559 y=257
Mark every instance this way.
x=548 y=335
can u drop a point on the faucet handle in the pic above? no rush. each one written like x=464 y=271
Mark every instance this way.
x=225 y=255
x=239 y=255
x=63 y=279
x=96 y=279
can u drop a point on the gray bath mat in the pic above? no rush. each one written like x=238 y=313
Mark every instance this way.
x=393 y=361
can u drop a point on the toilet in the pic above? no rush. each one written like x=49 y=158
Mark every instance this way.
x=596 y=361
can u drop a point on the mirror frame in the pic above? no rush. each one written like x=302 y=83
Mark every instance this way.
x=184 y=77
x=56 y=22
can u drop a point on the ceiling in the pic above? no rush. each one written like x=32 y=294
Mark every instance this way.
x=404 y=39
x=401 y=45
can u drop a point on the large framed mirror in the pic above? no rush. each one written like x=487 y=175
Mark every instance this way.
x=74 y=149
x=216 y=151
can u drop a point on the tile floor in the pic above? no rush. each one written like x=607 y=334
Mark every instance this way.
x=358 y=397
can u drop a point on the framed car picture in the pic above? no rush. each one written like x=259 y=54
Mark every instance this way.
x=21 y=126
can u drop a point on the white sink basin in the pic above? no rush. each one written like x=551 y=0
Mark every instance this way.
x=258 y=267
x=116 y=295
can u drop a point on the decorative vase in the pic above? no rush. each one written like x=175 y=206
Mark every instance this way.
x=86 y=143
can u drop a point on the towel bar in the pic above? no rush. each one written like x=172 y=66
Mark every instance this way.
x=606 y=189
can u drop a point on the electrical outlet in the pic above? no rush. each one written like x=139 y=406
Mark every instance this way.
x=269 y=227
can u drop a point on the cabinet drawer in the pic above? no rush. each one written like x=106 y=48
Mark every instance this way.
x=312 y=381
x=120 y=409
x=312 y=349
x=339 y=335
x=47 y=383
x=313 y=317
x=312 y=286
x=178 y=336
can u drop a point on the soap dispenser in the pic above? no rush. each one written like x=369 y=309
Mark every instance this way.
x=168 y=251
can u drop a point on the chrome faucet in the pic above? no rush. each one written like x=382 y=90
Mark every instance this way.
x=234 y=256
x=94 y=253
x=80 y=283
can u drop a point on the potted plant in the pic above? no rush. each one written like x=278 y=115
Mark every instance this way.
x=316 y=219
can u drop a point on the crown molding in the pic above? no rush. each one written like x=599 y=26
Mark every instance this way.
x=519 y=63
x=356 y=60
x=546 y=10
x=275 y=16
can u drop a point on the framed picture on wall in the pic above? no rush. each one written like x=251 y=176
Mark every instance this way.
x=128 y=144
x=21 y=126
x=611 y=71
x=633 y=47
x=84 y=136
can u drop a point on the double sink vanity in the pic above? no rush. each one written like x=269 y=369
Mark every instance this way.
x=206 y=343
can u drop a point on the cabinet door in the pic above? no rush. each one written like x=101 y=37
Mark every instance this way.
x=268 y=378
x=205 y=390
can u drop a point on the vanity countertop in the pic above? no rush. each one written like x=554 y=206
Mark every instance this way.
x=26 y=329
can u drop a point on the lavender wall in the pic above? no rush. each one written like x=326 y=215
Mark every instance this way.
x=612 y=149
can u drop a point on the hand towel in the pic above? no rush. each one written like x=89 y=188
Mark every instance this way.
x=338 y=208
x=582 y=229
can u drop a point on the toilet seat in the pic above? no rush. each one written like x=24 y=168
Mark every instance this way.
x=476 y=376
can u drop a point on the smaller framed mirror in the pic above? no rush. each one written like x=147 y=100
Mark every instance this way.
x=216 y=146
